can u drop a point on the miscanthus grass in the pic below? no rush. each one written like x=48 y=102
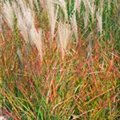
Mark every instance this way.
x=59 y=59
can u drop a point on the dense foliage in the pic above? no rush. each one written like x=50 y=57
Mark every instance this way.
x=60 y=59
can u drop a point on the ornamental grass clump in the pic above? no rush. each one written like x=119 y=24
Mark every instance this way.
x=8 y=14
x=59 y=59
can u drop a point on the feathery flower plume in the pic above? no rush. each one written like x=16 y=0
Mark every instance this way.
x=52 y=15
x=64 y=34
x=90 y=6
x=86 y=19
x=8 y=14
x=77 y=5
x=93 y=11
x=73 y=18
x=86 y=14
x=24 y=18
x=26 y=25
x=74 y=26
x=99 y=19
x=62 y=4
x=36 y=37
x=87 y=4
